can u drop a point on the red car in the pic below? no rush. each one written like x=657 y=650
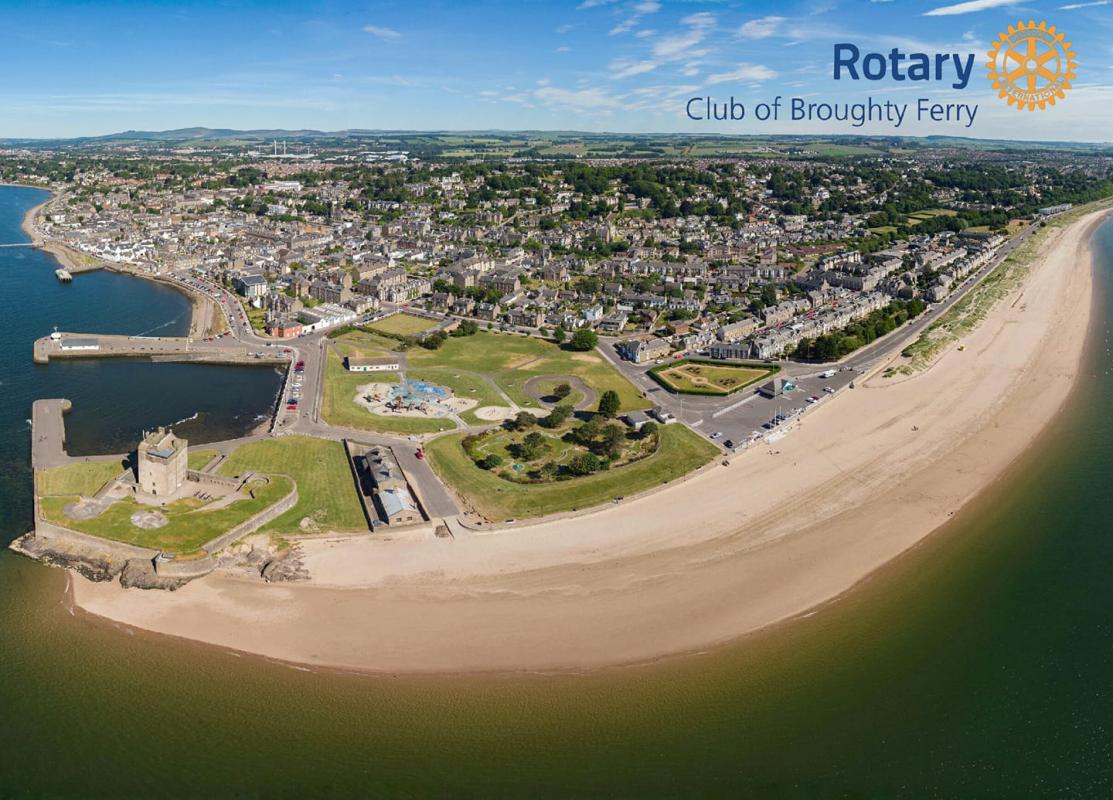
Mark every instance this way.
x=420 y=454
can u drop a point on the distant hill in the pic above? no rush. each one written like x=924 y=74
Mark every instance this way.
x=534 y=143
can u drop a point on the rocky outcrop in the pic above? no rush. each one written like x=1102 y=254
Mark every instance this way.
x=286 y=566
x=95 y=567
x=139 y=574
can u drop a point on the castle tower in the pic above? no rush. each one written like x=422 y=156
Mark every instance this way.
x=163 y=462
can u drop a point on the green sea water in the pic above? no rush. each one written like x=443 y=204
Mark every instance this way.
x=978 y=665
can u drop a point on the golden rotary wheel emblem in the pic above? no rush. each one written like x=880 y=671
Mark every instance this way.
x=1030 y=65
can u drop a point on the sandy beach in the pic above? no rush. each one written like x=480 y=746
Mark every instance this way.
x=735 y=549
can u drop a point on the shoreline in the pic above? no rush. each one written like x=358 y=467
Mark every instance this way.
x=775 y=535
x=202 y=318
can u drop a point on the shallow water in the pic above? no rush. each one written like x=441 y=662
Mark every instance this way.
x=976 y=666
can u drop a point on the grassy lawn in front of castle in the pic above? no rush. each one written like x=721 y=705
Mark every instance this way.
x=189 y=524
x=326 y=490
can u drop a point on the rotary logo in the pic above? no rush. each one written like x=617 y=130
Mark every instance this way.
x=1031 y=65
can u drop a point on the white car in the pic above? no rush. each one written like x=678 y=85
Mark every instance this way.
x=716 y=434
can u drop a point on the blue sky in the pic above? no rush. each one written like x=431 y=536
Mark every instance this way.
x=600 y=65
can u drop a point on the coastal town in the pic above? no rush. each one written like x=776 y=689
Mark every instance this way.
x=486 y=340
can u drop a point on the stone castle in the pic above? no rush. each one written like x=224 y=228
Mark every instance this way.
x=163 y=462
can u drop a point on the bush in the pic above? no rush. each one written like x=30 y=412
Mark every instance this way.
x=434 y=340
x=489 y=462
x=585 y=464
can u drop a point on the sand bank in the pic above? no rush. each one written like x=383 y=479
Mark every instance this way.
x=733 y=550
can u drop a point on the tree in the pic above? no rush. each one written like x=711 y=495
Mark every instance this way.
x=562 y=391
x=523 y=421
x=585 y=464
x=434 y=340
x=609 y=403
x=559 y=335
x=557 y=416
x=584 y=339
x=648 y=429
x=532 y=446
x=613 y=437
x=490 y=462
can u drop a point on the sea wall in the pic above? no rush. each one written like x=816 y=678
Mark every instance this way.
x=253 y=524
x=97 y=559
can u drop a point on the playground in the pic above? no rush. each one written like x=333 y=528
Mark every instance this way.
x=411 y=398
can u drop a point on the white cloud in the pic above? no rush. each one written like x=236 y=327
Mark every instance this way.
x=703 y=20
x=1073 y=6
x=968 y=7
x=761 y=28
x=562 y=29
x=691 y=69
x=627 y=69
x=593 y=99
x=382 y=33
x=645 y=33
x=744 y=72
x=637 y=11
x=563 y=49
x=682 y=46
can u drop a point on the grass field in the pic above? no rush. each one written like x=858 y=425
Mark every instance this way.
x=403 y=325
x=512 y=360
x=326 y=492
x=84 y=479
x=680 y=452
x=699 y=377
x=196 y=459
x=468 y=365
x=917 y=217
x=338 y=406
x=546 y=387
x=188 y=528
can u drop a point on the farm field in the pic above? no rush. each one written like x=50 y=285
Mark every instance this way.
x=698 y=377
x=679 y=452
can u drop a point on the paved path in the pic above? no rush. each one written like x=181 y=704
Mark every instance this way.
x=590 y=396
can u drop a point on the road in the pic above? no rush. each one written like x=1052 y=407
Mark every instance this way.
x=743 y=417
